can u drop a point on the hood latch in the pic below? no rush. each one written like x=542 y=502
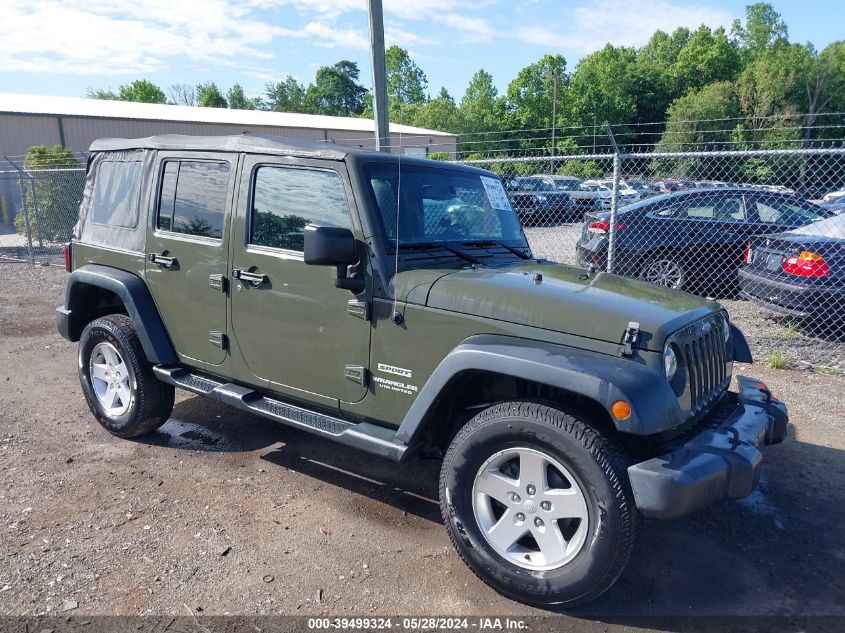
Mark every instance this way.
x=630 y=338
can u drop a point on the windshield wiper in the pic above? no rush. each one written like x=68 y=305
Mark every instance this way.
x=424 y=246
x=512 y=249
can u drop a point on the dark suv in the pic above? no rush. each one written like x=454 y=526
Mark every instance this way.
x=394 y=307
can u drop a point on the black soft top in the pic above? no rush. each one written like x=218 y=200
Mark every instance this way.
x=247 y=142
x=267 y=144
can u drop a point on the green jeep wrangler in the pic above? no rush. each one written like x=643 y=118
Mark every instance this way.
x=393 y=305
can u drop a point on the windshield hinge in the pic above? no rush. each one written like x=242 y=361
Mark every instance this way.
x=630 y=338
x=360 y=309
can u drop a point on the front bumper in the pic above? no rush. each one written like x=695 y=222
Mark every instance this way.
x=722 y=461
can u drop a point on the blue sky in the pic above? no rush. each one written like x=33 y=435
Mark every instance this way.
x=64 y=47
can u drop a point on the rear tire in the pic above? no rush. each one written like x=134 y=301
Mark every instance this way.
x=554 y=486
x=118 y=381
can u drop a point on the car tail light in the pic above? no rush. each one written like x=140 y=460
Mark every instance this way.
x=806 y=264
x=67 y=257
x=749 y=254
x=603 y=226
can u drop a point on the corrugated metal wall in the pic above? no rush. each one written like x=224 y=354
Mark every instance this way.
x=19 y=132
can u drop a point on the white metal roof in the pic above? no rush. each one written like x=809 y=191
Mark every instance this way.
x=101 y=108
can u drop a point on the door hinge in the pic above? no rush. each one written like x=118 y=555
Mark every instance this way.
x=357 y=374
x=218 y=339
x=217 y=281
x=629 y=339
x=360 y=309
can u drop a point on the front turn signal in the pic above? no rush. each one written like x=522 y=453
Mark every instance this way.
x=621 y=410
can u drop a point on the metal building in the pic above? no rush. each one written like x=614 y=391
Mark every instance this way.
x=73 y=122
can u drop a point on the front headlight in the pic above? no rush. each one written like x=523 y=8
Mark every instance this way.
x=670 y=362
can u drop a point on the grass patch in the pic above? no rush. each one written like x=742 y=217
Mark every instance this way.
x=792 y=329
x=778 y=359
x=827 y=371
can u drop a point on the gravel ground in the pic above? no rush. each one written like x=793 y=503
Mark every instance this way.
x=223 y=512
x=767 y=332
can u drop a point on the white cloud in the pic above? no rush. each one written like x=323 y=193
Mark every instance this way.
x=621 y=23
x=124 y=37
x=330 y=37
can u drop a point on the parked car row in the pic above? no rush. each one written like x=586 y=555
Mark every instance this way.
x=692 y=240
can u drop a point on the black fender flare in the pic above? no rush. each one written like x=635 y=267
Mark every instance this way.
x=741 y=351
x=133 y=292
x=599 y=377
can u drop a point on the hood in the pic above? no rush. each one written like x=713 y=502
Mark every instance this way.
x=599 y=306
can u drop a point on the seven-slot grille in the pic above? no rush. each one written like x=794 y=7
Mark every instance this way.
x=702 y=346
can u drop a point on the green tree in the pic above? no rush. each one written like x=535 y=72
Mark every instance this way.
x=531 y=95
x=699 y=120
x=824 y=84
x=237 y=100
x=708 y=57
x=482 y=110
x=654 y=84
x=440 y=114
x=336 y=90
x=764 y=28
x=771 y=84
x=139 y=90
x=604 y=87
x=284 y=96
x=50 y=214
x=406 y=82
x=209 y=96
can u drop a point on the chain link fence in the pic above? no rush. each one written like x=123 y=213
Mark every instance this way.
x=754 y=224
x=759 y=230
x=38 y=210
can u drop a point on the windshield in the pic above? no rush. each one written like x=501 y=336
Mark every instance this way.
x=442 y=205
x=567 y=185
x=534 y=184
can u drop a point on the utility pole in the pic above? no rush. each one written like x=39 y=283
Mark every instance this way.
x=380 y=114
x=554 y=115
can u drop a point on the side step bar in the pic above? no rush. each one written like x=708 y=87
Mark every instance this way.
x=364 y=436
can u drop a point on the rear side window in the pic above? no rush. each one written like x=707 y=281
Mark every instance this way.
x=284 y=200
x=193 y=198
x=785 y=211
x=116 y=193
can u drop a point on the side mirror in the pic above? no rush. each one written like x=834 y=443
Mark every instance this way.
x=333 y=246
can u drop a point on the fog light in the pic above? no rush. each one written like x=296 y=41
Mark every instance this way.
x=621 y=410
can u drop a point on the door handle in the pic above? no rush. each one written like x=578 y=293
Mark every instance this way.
x=253 y=279
x=162 y=260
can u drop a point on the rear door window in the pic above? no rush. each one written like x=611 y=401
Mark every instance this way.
x=722 y=208
x=193 y=197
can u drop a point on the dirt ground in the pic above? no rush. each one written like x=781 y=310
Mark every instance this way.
x=221 y=512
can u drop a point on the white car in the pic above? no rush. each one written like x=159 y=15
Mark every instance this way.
x=832 y=195
x=627 y=194
x=586 y=195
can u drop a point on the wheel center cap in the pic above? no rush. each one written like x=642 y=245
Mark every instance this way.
x=530 y=507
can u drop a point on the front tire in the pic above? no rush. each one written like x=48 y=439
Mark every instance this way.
x=538 y=504
x=117 y=379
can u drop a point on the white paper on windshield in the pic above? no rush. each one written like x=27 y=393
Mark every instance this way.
x=496 y=193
